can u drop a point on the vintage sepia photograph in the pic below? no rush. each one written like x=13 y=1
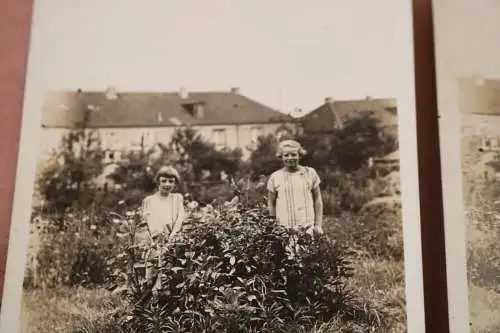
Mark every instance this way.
x=223 y=167
x=479 y=101
x=468 y=91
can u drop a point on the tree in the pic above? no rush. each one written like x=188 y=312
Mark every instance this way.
x=68 y=177
x=194 y=155
x=263 y=160
x=348 y=148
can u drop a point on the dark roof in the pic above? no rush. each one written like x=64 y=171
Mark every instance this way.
x=333 y=113
x=477 y=98
x=139 y=109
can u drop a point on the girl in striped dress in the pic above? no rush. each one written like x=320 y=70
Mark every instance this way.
x=294 y=196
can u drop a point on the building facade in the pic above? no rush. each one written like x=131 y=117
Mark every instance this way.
x=131 y=120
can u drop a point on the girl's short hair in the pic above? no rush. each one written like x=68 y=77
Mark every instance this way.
x=167 y=171
x=290 y=144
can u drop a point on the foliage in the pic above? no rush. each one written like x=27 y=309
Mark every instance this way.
x=263 y=160
x=196 y=155
x=67 y=178
x=234 y=270
x=346 y=191
x=73 y=253
x=483 y=251
x=375 y=230
x=348 y=149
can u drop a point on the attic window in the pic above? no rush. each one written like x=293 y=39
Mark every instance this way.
x=199 y=110
x=111 y=93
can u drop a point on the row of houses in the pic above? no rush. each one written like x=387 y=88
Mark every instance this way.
x=125 y=120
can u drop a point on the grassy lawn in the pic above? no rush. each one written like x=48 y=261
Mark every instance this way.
x=380 y=285
x=67 y=310
x=484 y=301
x=483 y=306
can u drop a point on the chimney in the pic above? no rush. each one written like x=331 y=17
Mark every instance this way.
x=183 y=93
x=368 y=98
x=478 y=80
x=235 y=90
x=328 y=100
x=111 y=93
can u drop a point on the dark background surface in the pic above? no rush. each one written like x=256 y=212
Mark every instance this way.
x=15 y=20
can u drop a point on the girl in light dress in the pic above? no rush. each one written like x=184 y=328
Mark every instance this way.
x=163 y=213
x=294 y=195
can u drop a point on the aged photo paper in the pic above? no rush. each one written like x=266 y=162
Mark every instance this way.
x=468 y=77
x=221 y=166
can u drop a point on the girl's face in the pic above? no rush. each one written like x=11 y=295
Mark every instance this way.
x=290 y=158
x=166 y=184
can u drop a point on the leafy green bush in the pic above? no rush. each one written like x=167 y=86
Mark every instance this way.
x=234 y=270
x=72 y=251
x=376 y=230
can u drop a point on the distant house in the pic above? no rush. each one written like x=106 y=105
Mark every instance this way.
x=479 y=103
x=333 y=114
x=125 y=120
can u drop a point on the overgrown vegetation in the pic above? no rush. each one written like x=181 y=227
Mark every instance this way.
x=246 y=273
x=481 y=196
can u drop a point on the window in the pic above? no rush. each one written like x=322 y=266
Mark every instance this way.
x=143 y=139
x=219 y=138
x=148 y=139
x=109 y=140
x=255 y=133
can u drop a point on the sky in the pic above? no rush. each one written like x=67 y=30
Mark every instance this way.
x=284 y=53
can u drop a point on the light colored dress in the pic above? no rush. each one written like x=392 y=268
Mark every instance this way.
x=163 y=213
x=294 y=202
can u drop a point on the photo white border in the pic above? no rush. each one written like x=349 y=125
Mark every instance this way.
x=29 y=152
x=463 y=31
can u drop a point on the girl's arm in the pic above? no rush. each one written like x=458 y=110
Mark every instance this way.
x=180 y=217
x=271 y=196
x=271 y=203
x=145 y=212
x=318 y=207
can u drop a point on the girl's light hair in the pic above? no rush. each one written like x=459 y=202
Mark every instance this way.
x=167 y=171
x=290 y=144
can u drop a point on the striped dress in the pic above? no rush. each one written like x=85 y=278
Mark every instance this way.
x=294 y=202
